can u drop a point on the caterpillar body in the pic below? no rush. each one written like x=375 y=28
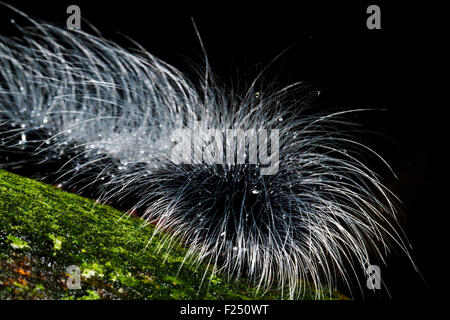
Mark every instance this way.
x=81 y=111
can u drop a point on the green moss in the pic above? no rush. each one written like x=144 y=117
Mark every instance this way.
x=44 y=230
x=17 y=243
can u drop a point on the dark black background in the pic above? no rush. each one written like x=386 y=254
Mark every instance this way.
x=396 y=68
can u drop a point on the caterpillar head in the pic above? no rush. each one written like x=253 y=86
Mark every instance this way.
x=320 y=214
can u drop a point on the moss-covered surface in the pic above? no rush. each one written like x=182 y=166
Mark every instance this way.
x=44 y=230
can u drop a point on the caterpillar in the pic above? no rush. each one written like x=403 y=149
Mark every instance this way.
x=82 y=112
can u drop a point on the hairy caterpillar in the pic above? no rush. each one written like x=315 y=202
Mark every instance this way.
x=81 y=111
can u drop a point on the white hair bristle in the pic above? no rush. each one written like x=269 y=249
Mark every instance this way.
x=106 y=115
